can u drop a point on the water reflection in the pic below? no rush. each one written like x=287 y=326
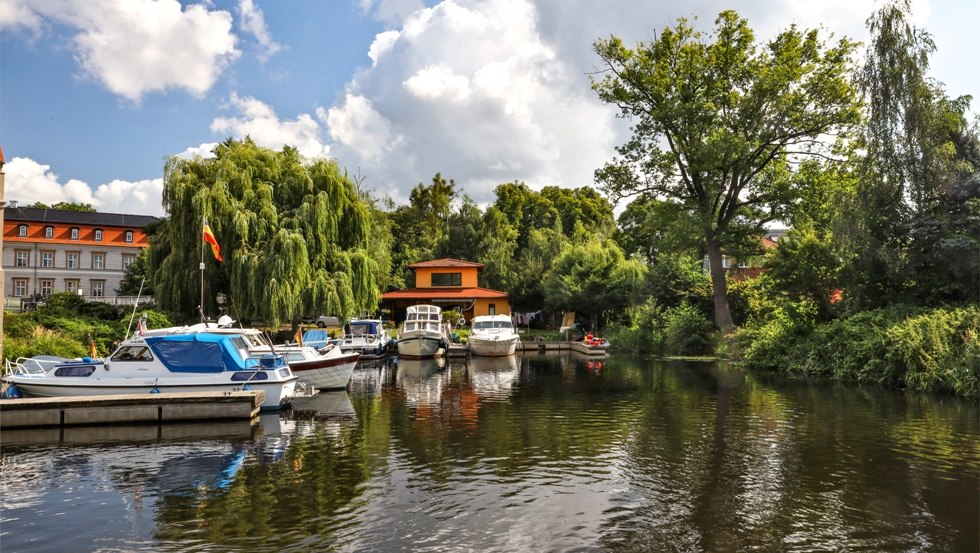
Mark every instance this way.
x=493 y=377
x=538 y=452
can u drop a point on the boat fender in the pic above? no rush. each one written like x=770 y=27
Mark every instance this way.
x=155 y=390
x=13 y=392
x=246 y=388
x=86 y=359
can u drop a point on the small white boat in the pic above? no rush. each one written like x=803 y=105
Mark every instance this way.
x=493 y=336
x=367 y=337
x=422 y=335
x=162 y=363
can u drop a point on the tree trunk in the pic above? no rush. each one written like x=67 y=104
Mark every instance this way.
x=719 y=284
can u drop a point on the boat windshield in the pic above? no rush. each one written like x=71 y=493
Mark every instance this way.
x=486 y=325
x=362 y=329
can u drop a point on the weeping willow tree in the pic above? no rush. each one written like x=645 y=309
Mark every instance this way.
x=293 y=236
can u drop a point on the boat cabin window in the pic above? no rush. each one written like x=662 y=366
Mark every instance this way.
x=241 y=346
x=409 y=326
x=295 y=356
x=248 y=376
x=132 y=353
x=75 y=370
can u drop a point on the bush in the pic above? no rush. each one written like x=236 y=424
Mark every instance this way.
x=686 y=331
x=923 y=349
x=42 y=341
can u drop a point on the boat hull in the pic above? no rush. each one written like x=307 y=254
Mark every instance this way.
x=589 y=349
x=329 y=373
x=421 y=346
x=368 y=349
x=494 y=346
x=277 y=394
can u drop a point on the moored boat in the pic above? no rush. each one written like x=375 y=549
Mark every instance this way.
x=493 y=336
x=162 y=363
x=422 y=335
x=591 y=345
x=326 y=368
x=367 y=337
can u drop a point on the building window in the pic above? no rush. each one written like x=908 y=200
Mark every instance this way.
x=71 y=260
x=74 y=233
x=20 y=287
x=98 y=261
x=127 y=261
x=98 y=235
x=22 y=258
x=128 y=237
x=46 y=286
x=47 y=260
x=49 y=232
x=72 y=285
x=447 y=279
x=22 y=230
x=98 y=288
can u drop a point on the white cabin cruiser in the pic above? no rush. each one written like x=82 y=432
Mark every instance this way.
x=493 y=336
x=422 y=335
x=163 y=363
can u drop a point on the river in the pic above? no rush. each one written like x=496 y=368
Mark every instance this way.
x=537 y=453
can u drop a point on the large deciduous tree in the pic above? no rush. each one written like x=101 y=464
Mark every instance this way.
x=293 y=236
x=717 y=121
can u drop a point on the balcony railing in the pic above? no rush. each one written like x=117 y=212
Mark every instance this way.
x=18 y=305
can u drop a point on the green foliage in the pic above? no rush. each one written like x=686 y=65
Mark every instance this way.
x=914 y=223
x=919 y=349
x=717 y=121
x=135 y=281
x=294 y=236
x=679 y=330
x=42 y=341
x=686 y=331
x=65 y=206
x=805 y=266
x=593 y=278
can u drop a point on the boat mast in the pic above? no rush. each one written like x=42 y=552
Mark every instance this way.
x=200 y=306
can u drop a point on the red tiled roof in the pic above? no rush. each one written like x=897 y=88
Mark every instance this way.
x=1 y=155
x=446 y=262
x=443 y=293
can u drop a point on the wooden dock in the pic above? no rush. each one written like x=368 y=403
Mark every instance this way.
x=129 y=409
x=544 y=345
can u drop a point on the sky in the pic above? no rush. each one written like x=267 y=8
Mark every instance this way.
x=95 y=95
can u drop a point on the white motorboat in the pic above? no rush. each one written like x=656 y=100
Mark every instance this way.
x=422 y=335
x=163 y=361
x=367 y=337
x=493 y=336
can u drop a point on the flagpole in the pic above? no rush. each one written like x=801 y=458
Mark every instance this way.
x=200 y=306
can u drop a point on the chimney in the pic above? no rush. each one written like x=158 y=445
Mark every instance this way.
x=12 y=204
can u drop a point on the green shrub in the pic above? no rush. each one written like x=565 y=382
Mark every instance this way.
x=43 y=342
x=686 y=331
x=920 y=349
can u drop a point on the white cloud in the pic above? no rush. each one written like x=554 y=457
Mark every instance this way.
x=203 y=151
x=259 y=121
x=28 y=181
x=253 y=22
x=17 y=13
x=360 y=127
x=391 y=12
x=134 y=47
x=470 y=89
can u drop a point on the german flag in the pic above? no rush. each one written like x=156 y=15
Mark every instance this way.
x=210 y=239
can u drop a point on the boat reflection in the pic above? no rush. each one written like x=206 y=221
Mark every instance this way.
x=420 y=381
x=323 y=406
x=493 y=378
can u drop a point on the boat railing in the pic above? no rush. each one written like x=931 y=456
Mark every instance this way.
x=28 y=366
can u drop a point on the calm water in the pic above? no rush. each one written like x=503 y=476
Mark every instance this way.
x=542 y=453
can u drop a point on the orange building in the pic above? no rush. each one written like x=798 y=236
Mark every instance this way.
x=450 y=284
x=52 y=250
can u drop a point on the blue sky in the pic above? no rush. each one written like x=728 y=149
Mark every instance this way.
x=95 y=94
